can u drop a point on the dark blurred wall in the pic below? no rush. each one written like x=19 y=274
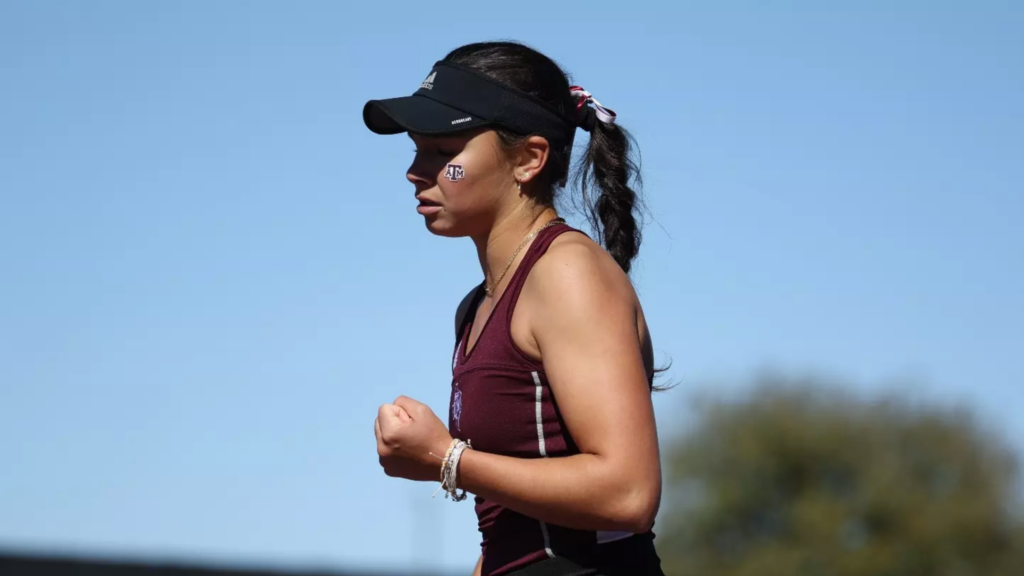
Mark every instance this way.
x=15 y=564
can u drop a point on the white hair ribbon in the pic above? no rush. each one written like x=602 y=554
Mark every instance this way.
x=606 y=115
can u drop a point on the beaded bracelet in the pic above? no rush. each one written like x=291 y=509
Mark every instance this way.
x=449 y=471
x=451 y=479
x=447 y=456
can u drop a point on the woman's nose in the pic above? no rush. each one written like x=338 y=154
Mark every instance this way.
x=420 y=174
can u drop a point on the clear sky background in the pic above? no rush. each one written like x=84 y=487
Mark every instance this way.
x=211 y=274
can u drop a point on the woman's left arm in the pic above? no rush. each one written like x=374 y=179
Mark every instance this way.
x=582 y=314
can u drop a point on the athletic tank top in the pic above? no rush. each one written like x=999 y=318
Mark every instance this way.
x=501 y=403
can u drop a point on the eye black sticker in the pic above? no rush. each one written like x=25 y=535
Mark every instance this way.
x=454 y=172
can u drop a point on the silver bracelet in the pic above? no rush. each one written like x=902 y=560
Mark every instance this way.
x=453 y=473
x=450 y=472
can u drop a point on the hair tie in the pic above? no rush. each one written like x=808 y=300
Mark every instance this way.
x=588 y=116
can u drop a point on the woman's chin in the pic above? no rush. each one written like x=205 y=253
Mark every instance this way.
x=442 y=227
x=437 y=226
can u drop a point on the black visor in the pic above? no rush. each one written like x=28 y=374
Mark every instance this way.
x=455 y=98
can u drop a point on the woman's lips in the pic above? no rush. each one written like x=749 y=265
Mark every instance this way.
x=427 y=206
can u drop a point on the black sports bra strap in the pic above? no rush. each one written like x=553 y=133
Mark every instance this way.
x=468 y=306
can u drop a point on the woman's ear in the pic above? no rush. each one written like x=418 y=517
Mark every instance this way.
x=531 y=159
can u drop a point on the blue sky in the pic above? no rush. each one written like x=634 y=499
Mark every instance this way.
x=211 y=273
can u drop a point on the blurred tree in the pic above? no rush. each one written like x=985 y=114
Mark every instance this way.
x=800 y=479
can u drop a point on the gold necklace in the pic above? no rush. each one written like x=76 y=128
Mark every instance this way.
x=490 y=289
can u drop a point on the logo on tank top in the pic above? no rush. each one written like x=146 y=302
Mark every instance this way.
x=457 y=406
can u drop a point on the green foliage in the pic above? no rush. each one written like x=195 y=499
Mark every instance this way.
x=800 y=479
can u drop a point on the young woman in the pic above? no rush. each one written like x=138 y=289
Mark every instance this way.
x=550 y=424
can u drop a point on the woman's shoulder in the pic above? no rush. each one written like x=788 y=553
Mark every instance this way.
x=575 y=264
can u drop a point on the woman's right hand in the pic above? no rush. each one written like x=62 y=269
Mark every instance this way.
x=411 y=440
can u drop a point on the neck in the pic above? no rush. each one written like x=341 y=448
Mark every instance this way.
x=496 y=246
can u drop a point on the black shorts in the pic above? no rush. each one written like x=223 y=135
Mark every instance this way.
x=633 y=556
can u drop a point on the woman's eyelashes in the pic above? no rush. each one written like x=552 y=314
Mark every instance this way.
x=436 y=152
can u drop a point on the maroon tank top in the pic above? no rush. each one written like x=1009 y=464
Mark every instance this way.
x=502 y=404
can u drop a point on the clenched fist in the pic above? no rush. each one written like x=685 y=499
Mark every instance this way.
x=411 y=440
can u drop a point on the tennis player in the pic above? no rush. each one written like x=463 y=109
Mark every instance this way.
x=550 y=425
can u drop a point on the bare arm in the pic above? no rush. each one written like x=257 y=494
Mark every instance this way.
x=582 y=314
x=478 y=571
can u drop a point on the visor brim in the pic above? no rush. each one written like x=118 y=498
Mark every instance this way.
x=417 y=114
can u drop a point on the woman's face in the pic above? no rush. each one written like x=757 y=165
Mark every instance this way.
x=461 y=181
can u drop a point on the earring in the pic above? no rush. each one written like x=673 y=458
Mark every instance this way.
x=519 y=186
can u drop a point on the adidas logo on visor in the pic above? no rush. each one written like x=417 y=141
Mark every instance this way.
x=429 y=82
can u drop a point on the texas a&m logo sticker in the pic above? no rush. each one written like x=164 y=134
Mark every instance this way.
x=454 y=172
